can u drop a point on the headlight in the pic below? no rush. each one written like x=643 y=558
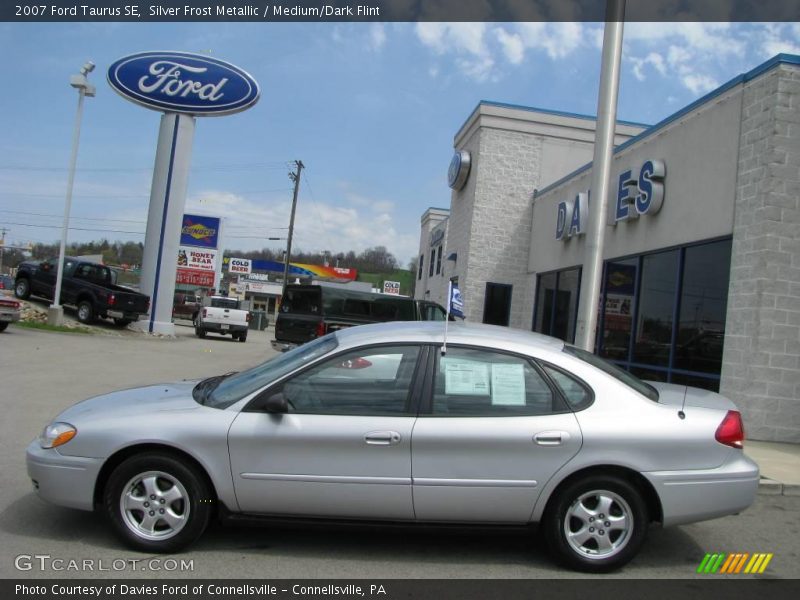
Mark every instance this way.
x=56 y=434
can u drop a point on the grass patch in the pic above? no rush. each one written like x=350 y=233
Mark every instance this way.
x=56 y=328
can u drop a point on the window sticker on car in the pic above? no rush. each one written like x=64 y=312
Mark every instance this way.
x=465 y=377
x=508 y=384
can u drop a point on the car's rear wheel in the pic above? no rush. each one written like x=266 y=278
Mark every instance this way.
x=122 y=322
x=85 y=312
x=596 y=524
x=3 y=325
x=157 y=503
x=22 y=289
x=243 y=336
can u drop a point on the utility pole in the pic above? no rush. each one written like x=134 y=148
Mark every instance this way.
x=296 y=178
x=2 y=247
x=585 y=336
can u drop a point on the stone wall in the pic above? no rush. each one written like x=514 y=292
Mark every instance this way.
x=761 y=361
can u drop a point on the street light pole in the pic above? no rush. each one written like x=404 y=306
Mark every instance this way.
x=296 y=178
x=55 y=313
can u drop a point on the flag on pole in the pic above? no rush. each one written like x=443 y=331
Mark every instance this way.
x=455 y=303
x=455 y=307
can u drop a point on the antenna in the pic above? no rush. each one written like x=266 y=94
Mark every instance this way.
x=682 y=414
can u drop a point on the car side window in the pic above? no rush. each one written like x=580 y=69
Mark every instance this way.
x=480 y=383
x=370 y=382
x=577 y=394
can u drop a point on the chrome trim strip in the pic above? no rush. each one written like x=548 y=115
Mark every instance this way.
x=327 y=478
x=514 y=483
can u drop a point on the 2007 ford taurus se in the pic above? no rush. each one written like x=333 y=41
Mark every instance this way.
x=380 y=423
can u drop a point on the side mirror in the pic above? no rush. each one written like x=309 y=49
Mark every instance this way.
x=44 y=266
x=276 y=404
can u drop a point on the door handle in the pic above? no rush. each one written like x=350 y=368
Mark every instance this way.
x=551 y=438
x=382 y=438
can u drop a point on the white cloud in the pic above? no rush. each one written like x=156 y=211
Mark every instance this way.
x=512 y=45
x=319 y=225
x=699 y=84
x=377 y=36
x=465 y=40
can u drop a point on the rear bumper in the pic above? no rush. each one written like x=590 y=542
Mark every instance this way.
x=222 y=327
x=9 y=316
x=121 y=314
x=63 y=480
x=698 y=495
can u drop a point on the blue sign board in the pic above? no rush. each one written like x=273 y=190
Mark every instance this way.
x=198 y=230
x=184 y=83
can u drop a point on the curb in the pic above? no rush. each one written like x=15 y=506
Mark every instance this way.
x=770 y=487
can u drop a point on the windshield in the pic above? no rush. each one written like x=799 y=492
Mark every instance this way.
x=620 y=375
x=227 y=390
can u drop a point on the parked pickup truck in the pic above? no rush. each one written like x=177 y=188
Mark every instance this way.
x=310 y=311
x=88 y=286
x=223 y=315
x=186 y=306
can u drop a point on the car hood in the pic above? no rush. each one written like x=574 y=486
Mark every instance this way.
x=151 y=399
x=681 y=395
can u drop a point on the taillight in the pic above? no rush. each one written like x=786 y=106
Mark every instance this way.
x=205 y=313
x=321 y=329
x=112 y=299
x=731 y=431
x=248 y=317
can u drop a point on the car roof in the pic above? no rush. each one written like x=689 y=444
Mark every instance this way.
x=457 y=333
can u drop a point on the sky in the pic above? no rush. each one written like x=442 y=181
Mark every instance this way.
x=370 y=108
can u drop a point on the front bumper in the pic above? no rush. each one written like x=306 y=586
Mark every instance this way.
x=698 y=495
x=63 y=480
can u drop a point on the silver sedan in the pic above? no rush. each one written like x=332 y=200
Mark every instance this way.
x=384 y=422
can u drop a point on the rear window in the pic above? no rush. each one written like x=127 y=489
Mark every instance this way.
x=620 y=375
x=305 y=302
x=225 y=303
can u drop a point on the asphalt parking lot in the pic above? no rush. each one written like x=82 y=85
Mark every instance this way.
x=42 y=373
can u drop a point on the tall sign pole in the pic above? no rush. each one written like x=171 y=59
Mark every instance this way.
x=296 y=178
x=601 y=172
x=182 y=86
x=55 y=313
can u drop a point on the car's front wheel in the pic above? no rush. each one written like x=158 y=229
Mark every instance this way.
x=596 y=524
x=22 y=288
x=158 y=503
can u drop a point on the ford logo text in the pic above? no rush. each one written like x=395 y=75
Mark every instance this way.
x=184 y=83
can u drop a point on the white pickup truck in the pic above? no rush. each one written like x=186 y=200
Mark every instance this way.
x=223 y=315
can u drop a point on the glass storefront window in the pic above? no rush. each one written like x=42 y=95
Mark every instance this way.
x=557 y=304
x=656 y=306
x=642 y=296
x=704 y=301
x=617 y=320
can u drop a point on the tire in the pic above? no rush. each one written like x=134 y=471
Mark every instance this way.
x=243 y=336
x=122 y=322
x=3 y=325
x=199 y=332
x=85 y=312
x=22 y=288
x=570 y=524
x=181 y=500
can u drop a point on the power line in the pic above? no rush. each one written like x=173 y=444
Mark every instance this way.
x=231 y=167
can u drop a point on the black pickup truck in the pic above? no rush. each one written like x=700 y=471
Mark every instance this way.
x=311 y=311
x=89 y=286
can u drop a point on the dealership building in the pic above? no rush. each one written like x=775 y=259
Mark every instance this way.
x=701 y=278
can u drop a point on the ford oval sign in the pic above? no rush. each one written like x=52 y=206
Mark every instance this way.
x=184 y=83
